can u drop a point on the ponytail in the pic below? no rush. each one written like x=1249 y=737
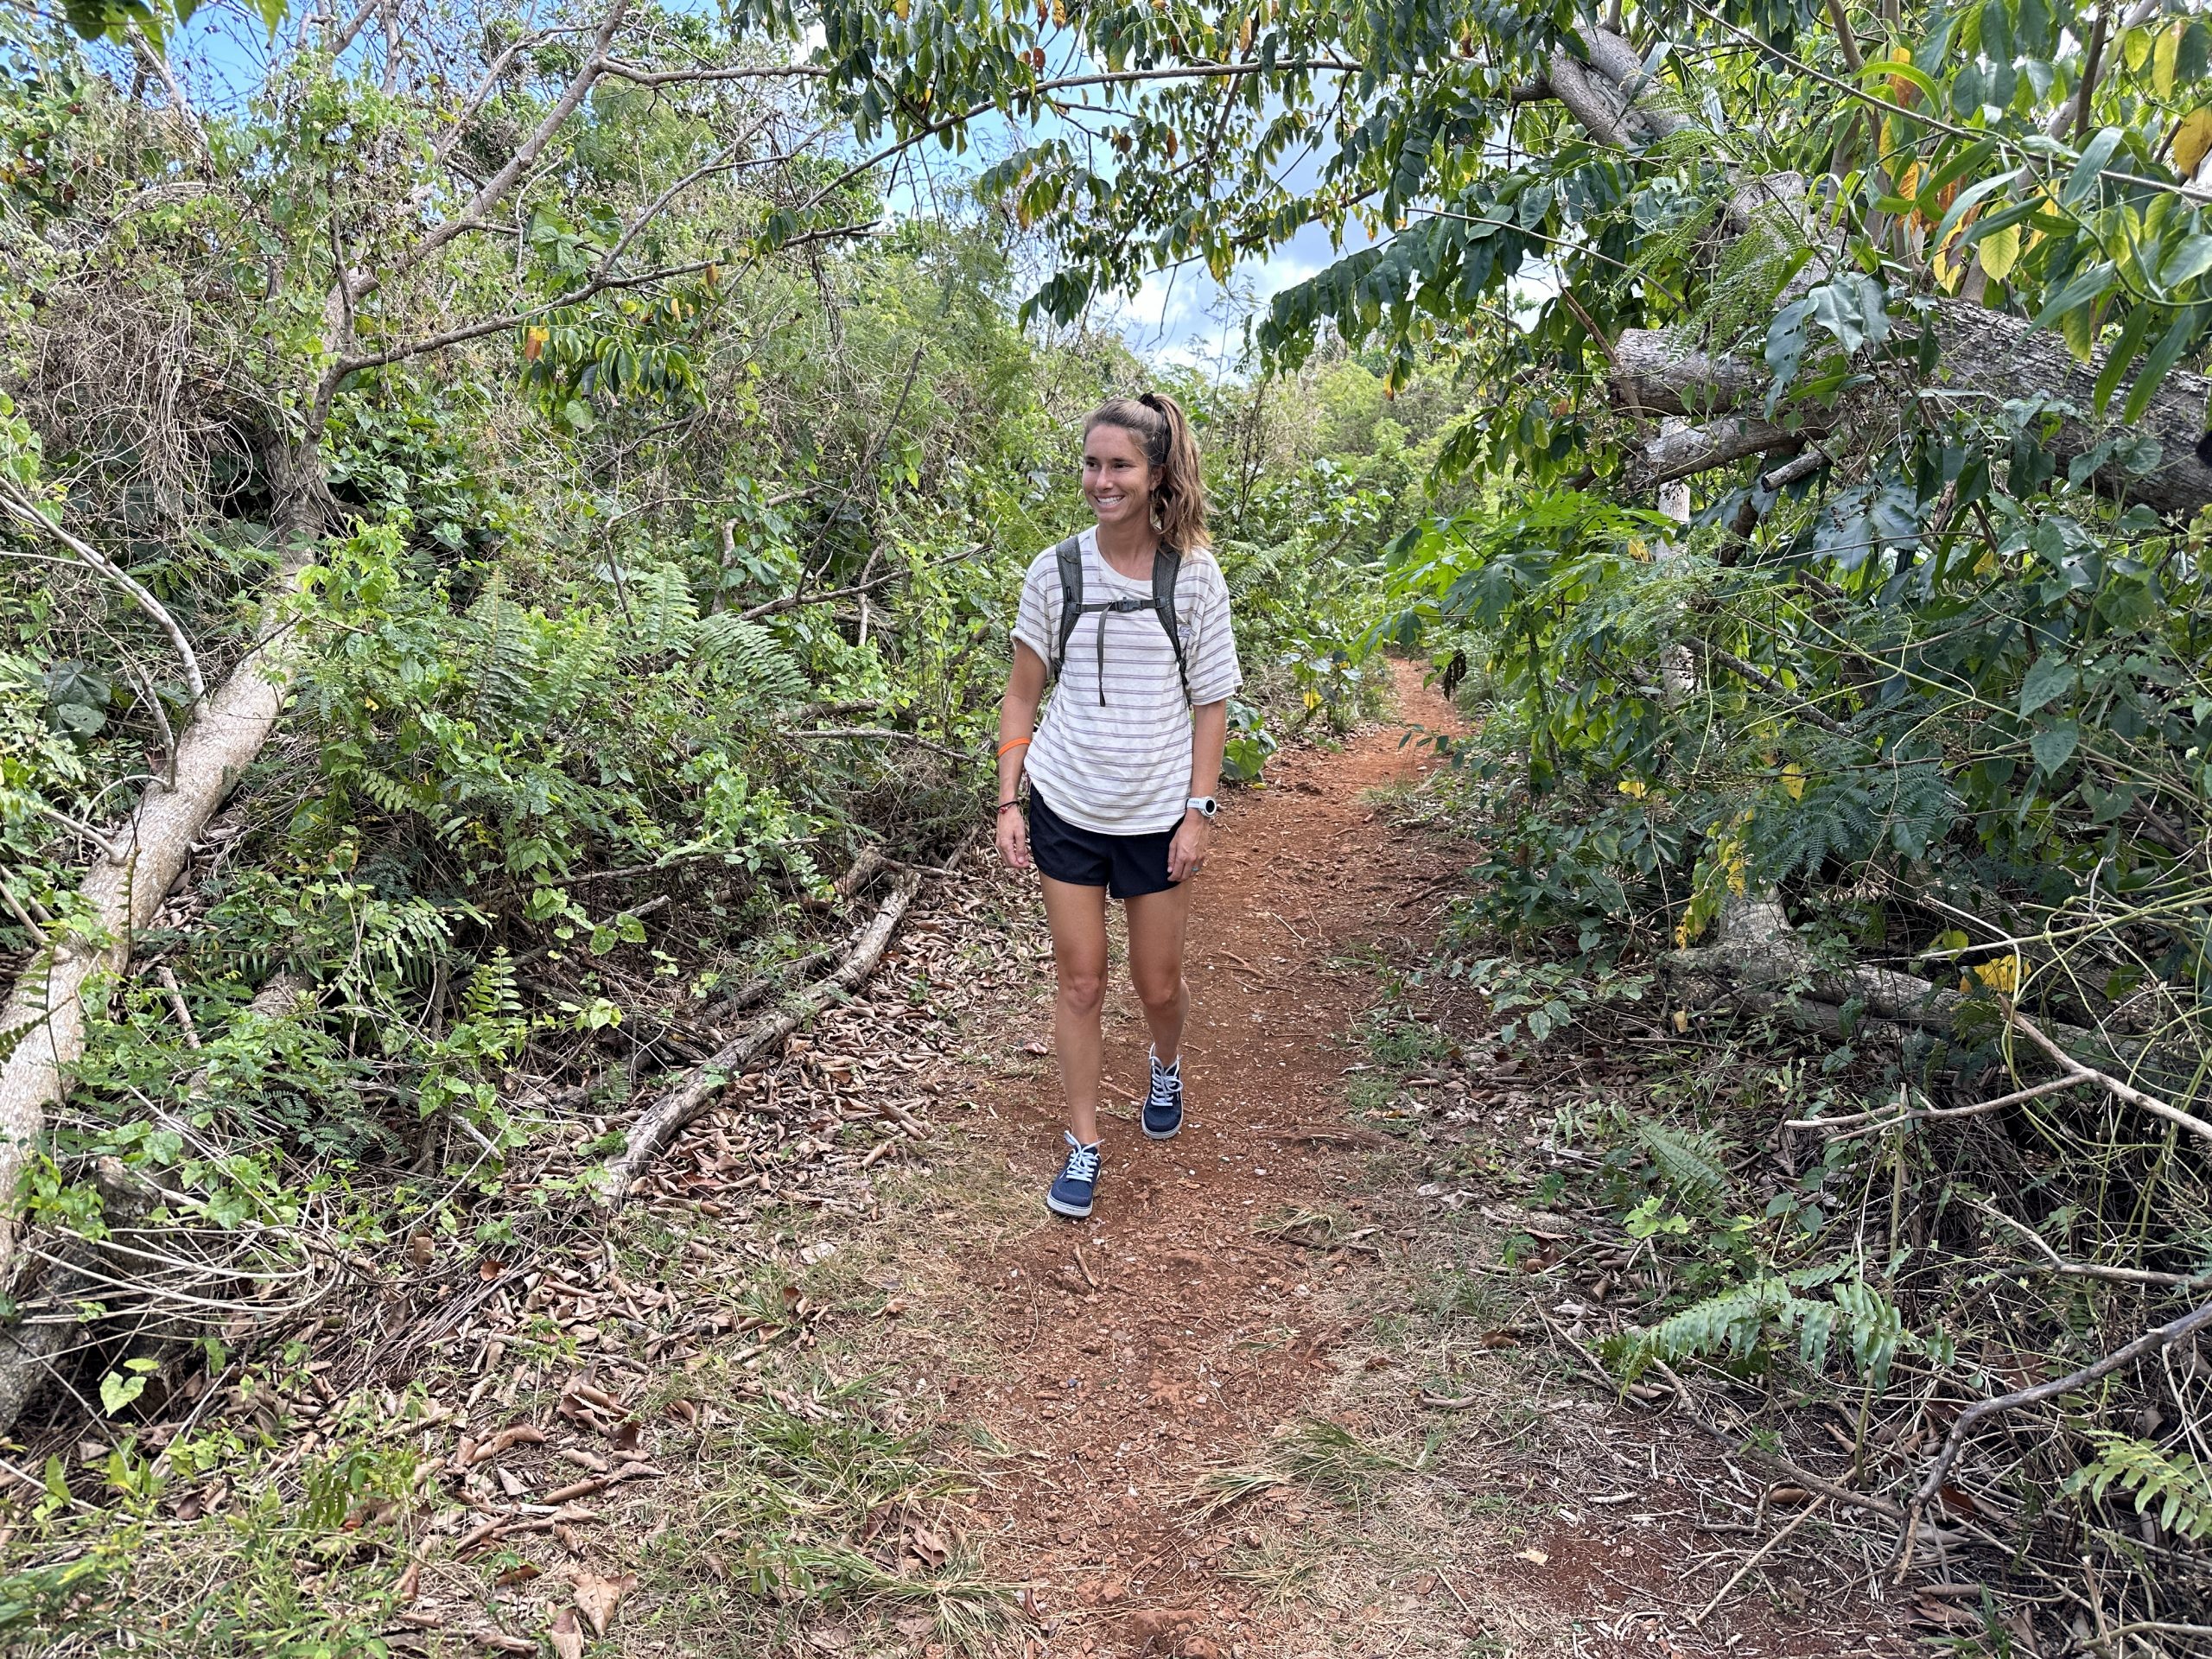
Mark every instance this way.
x=1179 y=490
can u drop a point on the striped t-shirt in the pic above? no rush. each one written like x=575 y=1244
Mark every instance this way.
x=1113 y=753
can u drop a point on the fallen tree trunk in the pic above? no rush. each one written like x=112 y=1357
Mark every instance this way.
x=1986 y=358
x=44 y=1018
x=31 y=1348
x=694 y=1094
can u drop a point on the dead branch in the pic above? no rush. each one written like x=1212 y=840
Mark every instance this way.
x=792 y=601
x=21 y=509
x=694 y=1094
x=2056 y=1263
x=1758 y=1555
x=865 y=868
x=2150 y=1342
x=2114 y=1086
x=1874 y=1121
x=887 y=734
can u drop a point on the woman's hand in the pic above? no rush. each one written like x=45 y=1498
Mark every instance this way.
x=1014 y=839
x=1187 y=852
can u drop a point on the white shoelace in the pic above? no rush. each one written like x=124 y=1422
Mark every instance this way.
x=1082 y=1161
x=1166 y=1084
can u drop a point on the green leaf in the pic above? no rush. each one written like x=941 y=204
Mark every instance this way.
x=2177 y=339
x=2052 y=676
x=2121 y=354
x=2192 y=256
x=2053 y=746
x=118 y=1391
x=1997 y=32
x=2085 y=287
x=2084 y=178
x=1999 y=252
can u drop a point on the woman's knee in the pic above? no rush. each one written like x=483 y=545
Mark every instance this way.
x=1083 y=987
x=1159 y=989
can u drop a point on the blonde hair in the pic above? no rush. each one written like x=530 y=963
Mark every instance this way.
x=1179 y=490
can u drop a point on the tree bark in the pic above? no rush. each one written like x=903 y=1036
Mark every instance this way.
x=45 y=1016
x=1985 y=358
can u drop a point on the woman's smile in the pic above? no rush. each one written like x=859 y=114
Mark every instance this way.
x=1116 y=478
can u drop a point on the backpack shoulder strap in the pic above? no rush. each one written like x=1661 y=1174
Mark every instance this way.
x=1070 y=556
x=1167 y=568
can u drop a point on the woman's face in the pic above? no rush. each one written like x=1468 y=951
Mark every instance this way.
x=1116 y=478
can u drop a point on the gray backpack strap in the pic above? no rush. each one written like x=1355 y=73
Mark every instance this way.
x=1070 y=554
x=1166 y=566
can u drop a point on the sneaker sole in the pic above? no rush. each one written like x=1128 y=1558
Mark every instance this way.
x=1061 y=1208
x=1151 y=1134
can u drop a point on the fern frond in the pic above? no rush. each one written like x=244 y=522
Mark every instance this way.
x=2179 y=1486
x=663 y=617
x=1730 y=1323
x=493 y=993
x=747 y=657
x=502 y=646
x=1690 y=1162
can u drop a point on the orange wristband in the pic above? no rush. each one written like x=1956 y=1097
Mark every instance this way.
x=1013 y=743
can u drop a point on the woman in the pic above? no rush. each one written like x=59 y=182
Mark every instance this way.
x=1122 y=777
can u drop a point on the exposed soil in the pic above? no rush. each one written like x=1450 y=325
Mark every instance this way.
x=1168 y=1335
x=1144 y=1381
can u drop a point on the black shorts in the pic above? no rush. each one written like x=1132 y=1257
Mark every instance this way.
x=1128 y=867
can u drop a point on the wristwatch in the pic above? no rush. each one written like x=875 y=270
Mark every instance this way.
x=1205 y=805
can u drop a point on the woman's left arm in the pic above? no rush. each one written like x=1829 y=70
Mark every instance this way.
x=1194 y=836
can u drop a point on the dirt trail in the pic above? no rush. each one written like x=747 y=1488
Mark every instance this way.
x=1166 y=1337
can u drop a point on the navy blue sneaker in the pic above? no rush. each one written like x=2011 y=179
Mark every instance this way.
x=1163 y=1103
x=1076 y=1183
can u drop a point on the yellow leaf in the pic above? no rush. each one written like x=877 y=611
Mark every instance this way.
x=2192 y=141
x=2002 y=975
x=1793 y=781
x=533 y=343
x=2165 y=56
x=1681 y=1019
x=899 y=9
x=2078 y=328
x=1635 y=788
x=2135 y=49
x=1999 y=252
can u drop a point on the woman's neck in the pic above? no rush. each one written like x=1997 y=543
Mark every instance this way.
x=1129 y=548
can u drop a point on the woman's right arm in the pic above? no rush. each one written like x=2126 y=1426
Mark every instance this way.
x=1025 y=689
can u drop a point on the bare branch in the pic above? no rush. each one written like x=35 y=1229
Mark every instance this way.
x=2150 y=1342
x=21 y=508
x=793 y=601
x=1858 y=1123
x=889 y=734
x=526 y=154
x=616 y=69
x=1070 y=83
x=2112 y=1085
x=1767 y=683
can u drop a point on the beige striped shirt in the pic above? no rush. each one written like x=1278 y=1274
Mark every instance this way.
x=1114 y=752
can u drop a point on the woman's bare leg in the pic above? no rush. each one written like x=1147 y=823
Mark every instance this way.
x=1078 y=917
x=1157 y=923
